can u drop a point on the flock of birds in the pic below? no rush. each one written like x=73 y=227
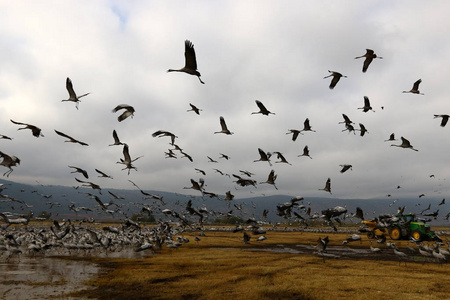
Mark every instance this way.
x=132 y=233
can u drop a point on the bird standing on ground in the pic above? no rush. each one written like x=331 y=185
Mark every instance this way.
x=405 y=144
x=370 y=55
x=72 y=95
x=129 y=111
x=190 y=64
x=262 y=109
x=336 y=77
x=36 y=131
x=415 y=88
x=223 y=125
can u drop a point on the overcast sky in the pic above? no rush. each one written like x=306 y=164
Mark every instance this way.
x=277 y=52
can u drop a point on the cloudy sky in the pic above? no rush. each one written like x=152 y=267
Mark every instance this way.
x=276 y=52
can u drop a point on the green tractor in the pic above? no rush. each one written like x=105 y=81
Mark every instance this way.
x=404 y=227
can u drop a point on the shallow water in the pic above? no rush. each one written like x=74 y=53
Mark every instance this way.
x=42 y=278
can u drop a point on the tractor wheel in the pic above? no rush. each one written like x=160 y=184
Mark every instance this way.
x=370 y=235
x=417 y=235
x=395 y=233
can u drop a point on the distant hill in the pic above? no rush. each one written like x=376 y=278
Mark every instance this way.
x=57 y=199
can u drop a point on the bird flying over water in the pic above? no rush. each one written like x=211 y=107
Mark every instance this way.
x=190 y=62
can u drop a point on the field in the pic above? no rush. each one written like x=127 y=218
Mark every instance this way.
x=221 y=266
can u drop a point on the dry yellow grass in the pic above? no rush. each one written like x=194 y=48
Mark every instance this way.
x=220 y=266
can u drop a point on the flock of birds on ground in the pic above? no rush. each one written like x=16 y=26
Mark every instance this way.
x=67 y=235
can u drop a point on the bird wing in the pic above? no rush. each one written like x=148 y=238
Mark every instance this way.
x=416 y=84
x=116 y=137
x=367 y=62
x=189 y=55
x=69 y=88
x=366 y=101
x=126 y=153
x=122 y=106
x=260 y=105
x=223 y=124
x=64 y=135
x=334 y=81
x=101 y=173
x=18 y=123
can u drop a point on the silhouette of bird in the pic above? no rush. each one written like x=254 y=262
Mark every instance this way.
x=327 y=187
x=370 y=55
x=36 y=131
x=346 y=120
x=72 y=95
x=442 y=202
x=127 y=161
x=444 y=119
x=391 y=138
x=194 y=109
x=81 y=171
x=116 y=139
x=197 y=185
x=415 y=88
x=281 y=158
x=210 y=159
x=362 y=129
x=336 y=77
x=102 y=174
x=129 y=111
x=90 y=184
x=4 y=137
x=263 y=156
x=305 y=152
x=224 y=127
x=190 y=65
x=200 y=171
x=9 y=161
x=271 y=179
x=262 y=109
x=295 y=133
x=161 y=133
x=366 y=106
x=349 y=128
x=359 y=213
x=71 y=139
x=405 y=144
x=345 y=168
x=306 y=126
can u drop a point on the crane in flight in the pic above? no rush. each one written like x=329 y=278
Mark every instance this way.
x=36 y=131
x=72 y=95
x=262 y=109
x=129 y=111
x=370 y=55
x=415 y=88
x=405 y=144
x=336 y=77
x=224 y=127
x=70 y=139
x=190 y=62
